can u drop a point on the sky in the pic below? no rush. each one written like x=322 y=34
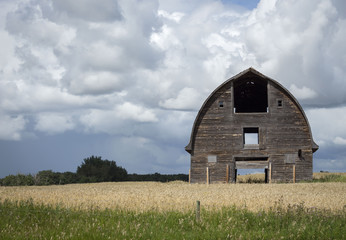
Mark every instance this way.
x=125 y=79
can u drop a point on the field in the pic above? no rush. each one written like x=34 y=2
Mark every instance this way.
x=151 y=210
x=180 y=196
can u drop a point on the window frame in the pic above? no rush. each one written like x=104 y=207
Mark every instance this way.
x=251 y=130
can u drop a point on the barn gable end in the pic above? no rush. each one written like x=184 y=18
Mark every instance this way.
x=251 y=121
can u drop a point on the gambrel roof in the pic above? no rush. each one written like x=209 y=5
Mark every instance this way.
x=248 y=72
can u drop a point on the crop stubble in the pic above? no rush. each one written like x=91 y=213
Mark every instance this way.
x=180 y=196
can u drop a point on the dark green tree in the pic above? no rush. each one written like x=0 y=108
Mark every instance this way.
x=68 y=178
x=47 y=177
x=18 y=180
x=94 y=169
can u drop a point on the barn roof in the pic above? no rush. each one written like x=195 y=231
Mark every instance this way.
x=189 y=147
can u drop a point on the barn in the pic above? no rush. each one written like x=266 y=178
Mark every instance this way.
x=251 y=122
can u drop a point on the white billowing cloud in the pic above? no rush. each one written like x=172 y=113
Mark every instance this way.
x=302 y=93
x=30 y=25
x=295 y=45
x=35 y=98
x=118 y=120
x=97 y=121
x=96 y=83
x=134 y=112
x=165 y=39
x=53 y=123
x=158 y=53
x=175 y=16
x=328 y=125
x=187 y=99
x=8 y=62
x=11 y=127
x=339 y=141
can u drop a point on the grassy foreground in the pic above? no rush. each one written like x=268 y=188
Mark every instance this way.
x=26 y=220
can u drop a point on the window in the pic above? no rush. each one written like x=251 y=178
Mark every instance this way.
x=279 y=103
x=250 y=136
x=220 y=104
x=212 y=158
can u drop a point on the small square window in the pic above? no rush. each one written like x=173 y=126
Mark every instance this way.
x=221 y=104
x=212 y=158
x=251 y=136
x=279 y=103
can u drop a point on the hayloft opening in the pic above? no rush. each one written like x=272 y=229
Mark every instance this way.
x=250 y=96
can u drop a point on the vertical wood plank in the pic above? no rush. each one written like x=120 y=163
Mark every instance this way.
x=227 y=173
x=294 y=173
x=207 y=175
x=270 y=172
x=198 y=211
x=189 y=176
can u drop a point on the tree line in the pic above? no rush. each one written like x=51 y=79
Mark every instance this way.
x=93 y=169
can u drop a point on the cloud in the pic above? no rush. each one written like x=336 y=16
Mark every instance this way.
x=29 y=23
x=187 y=99
x=175 y=16
x=89 y=10
x=53 y=123
x=328 y=124
x=11 y=127
x=302 y=93
x=117 y=120
x=134 y=112
x=339 y=141
x=96 y=83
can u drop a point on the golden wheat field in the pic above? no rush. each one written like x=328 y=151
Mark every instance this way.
x=181 y=196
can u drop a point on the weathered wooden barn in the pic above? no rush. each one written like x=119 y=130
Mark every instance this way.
x=251 y=121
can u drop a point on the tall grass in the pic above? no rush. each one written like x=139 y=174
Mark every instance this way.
x=180 y=196
x=317 y=177
x=329 y=177
x=26 y=220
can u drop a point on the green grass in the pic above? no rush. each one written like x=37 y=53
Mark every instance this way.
x=331 y=178
x=25 y=220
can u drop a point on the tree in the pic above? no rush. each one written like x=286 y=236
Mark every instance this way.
x=47 y=177
x=68 y=178
x=94 y=169
x=18 y=180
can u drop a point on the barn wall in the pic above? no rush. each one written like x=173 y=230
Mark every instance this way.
x=282 y=132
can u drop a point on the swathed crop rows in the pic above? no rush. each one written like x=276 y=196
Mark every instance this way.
x=180 y=196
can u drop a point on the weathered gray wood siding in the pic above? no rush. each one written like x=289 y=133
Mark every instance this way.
x=282 y=132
